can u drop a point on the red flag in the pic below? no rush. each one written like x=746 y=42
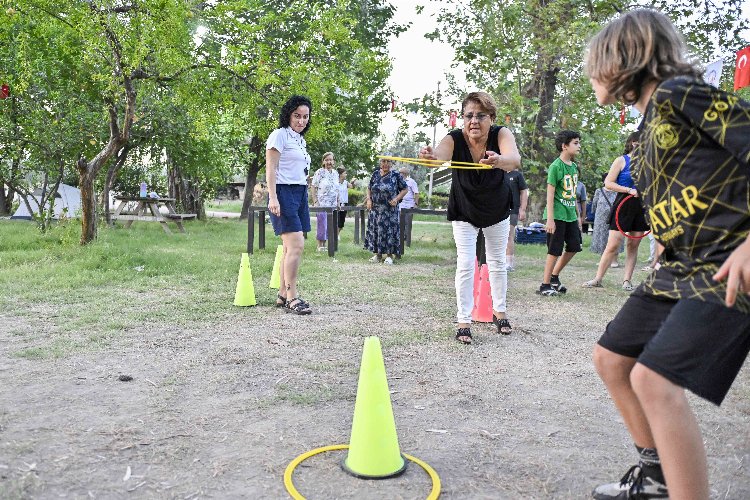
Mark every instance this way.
x=4 y=91
x=452 y=119
x=393 y=104
x=622 y=115
x=742 y=69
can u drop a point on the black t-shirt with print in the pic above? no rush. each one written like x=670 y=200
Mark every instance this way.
x=479 y=197
x=691 y=168
x=517 y=183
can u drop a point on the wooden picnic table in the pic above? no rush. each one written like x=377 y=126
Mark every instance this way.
x=359 y=225
x=147 y=205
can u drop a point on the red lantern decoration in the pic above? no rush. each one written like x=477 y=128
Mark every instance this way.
x=452 y=119
x=4 y=91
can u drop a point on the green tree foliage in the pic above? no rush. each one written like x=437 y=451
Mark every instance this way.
x=529 y=55
x=190 y=87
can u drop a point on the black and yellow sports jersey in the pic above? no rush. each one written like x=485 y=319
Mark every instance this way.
x=692 y=169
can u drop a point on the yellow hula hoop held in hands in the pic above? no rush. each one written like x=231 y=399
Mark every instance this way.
x=424 y=162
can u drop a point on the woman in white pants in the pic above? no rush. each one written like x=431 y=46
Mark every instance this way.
x=479 y=199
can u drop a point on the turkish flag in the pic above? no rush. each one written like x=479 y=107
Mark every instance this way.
x=4 y=91
x=393 y=105
x=742 y=69
x=622 y=115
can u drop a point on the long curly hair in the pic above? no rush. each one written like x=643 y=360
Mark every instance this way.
x=294 y=102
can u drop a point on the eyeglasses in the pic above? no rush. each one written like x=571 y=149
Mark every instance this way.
x=479 y=116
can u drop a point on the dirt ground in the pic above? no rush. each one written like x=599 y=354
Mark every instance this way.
x=218 y=409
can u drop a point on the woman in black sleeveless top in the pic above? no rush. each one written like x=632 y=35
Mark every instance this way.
x=479 y=199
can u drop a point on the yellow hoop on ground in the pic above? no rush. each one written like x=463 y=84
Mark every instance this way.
x=289 y=484
x=424 y=162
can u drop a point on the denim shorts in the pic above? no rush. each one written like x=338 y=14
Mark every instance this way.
x=295 y=212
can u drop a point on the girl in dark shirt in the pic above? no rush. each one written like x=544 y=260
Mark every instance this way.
x=685 y=327
x=479 y=199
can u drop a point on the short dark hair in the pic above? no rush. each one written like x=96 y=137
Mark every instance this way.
x=483 y=99
x=340 y=170
x=629 y=142
x=288 y=108
x=564 y=137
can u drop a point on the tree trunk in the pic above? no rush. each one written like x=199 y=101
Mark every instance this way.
x=252 y=175
x=88 y=203
x=184 y=191
x=6 y=199
x=110 y=179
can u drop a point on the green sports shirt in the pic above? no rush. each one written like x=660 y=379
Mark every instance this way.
x=565 y=178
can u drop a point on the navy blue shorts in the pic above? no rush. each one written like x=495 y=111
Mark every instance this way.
x=698 y=345
x=295 y=212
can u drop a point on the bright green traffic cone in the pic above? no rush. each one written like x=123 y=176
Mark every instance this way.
x=244 y=295
x=373 y=448
x=276 y=268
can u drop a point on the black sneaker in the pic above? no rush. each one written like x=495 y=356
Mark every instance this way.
x=546 y=291
x=635 y=484
x=557 y=286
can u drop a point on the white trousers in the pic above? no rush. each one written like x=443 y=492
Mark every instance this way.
x=496 y=241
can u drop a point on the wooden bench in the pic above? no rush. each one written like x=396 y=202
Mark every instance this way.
x=180 y=216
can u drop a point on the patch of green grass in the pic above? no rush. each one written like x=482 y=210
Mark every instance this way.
x=234 y=206
x=82 y=297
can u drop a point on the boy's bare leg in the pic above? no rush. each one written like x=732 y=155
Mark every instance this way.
x=614 y=370
x=562 y=262
x=677 y=434
x=549 y=264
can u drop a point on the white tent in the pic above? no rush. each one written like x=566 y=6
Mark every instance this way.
x=66 y=197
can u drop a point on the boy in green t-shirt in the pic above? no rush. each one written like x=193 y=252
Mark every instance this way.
x=563 y=220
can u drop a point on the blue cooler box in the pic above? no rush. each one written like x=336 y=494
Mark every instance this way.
x=533 y=233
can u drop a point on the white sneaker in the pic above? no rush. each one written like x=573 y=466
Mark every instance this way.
x=321 y=249
x=374 y=258
x=388 y=261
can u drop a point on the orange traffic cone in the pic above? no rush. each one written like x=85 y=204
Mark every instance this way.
x=482 y=312
x=476 y=280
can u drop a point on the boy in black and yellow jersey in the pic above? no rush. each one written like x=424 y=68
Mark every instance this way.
x=688 y=325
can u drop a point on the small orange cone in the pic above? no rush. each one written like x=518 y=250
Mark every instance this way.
x=476 y=280
x=482 y=312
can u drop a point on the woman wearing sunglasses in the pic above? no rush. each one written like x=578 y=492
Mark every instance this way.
x=479 y=199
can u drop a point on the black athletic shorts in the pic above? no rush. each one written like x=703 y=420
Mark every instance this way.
x=630 y=216
x=567 y=233
x=698 y=345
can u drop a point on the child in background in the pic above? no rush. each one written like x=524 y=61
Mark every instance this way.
x=563 y=220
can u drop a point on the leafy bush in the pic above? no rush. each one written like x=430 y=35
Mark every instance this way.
x=439 y=200
x=356 y=197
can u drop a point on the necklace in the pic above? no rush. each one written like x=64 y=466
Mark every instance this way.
x=471 y=153
x=300 y=142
